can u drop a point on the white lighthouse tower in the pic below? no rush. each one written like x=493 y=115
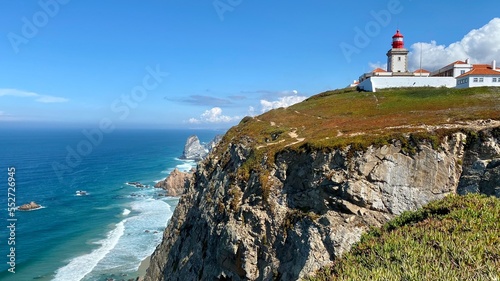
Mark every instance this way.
x=397 y=57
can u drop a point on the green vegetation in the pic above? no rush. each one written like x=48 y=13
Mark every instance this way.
x=346 y=118
x=236 y=195
x=336 y=119
x=456 y=238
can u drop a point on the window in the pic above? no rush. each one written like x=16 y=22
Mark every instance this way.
x=462 y=71
x=494 y=79
x=399 y=58
x=481 y=79
x=475 y=79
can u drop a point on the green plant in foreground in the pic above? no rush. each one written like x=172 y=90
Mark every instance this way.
x=456 y=238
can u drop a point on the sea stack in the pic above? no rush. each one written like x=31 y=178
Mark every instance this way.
x=30 y=206
x=193 y=149
x=176 y=183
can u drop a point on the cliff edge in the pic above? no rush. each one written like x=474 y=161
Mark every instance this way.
x=285 y=193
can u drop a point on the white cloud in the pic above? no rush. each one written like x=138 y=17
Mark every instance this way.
x=17 y=93
x=50 y=99
x=480 y=45
x=194 y=121
x=213 y=115
x=377 y=65
x=26 y=94
x=285 y=101
x=251 y=111
x=4 y=116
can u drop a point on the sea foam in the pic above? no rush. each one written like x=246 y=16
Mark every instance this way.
x=143 y=232
x=83 y=265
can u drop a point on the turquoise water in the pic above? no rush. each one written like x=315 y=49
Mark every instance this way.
x=105 y=233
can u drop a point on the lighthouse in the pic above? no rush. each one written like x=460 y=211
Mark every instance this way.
x=397 y=56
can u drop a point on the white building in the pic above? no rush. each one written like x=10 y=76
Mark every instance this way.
x=453 y=69
x=459 y=74
x=397 y=74
x=480 y=75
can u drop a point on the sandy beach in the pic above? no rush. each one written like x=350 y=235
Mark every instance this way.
x=143 y=267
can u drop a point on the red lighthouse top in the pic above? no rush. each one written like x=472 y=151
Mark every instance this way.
x=397 y=40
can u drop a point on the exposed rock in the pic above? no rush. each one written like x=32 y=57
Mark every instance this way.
x=213 y=143
x=193 y=150
x=307 y=208
x=481 y=167
x=138 y=184
x=30 y=206
x=176 y=183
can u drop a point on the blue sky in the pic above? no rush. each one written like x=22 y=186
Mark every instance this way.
x=207 y=64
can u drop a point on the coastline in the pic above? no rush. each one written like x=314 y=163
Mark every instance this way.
x=141 y=272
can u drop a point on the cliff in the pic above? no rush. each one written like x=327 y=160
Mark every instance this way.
x=176 y=182
x=193 y=150
x=286 y=193
x=413 y=247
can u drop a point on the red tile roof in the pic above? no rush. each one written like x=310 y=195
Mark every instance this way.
x=481 y=71
x=481 y=65
x=455 y=62
x=378 y=70
x=421 y=71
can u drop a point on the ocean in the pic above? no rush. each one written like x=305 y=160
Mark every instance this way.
x=104 y=234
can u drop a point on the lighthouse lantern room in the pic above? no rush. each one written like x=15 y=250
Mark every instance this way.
x=397 y=57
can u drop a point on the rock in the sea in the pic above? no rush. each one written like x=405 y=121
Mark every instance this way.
x=30 y=206
x=193 y=149
x=176 y=183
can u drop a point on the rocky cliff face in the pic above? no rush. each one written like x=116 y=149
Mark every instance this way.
x=310 y=207
x=481 y=173
x=193 y=150
x=176 y=183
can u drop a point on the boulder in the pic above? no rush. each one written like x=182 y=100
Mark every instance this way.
x=30 y=206
x=176 y=183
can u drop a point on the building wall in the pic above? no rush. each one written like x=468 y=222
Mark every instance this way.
x=479 y=81
x=461 y=69
x=452 y=70
x=397 y=60
x=374 y=83
x=366 y=85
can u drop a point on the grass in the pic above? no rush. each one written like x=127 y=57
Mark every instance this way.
x=456 y=238
x=339 y=118
x=342 y=118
